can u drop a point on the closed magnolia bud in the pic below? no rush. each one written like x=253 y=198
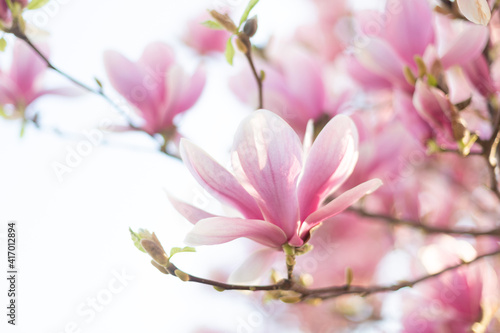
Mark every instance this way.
x=243 y=43
x=250 y=27
x=290 y=299
x=181 y=275
x=225 y=21
x=241 y=46
x=155 y=251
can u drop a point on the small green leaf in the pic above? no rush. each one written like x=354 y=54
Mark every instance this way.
x=179 y=250
x=3 y=44
x=137 y=240
x=250 y=6
x=229 y=51
x=213 y=25
x=35 y=4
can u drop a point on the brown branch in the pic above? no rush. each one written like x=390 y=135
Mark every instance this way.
x=258 y=77
x=220 y=286
x=82 y=85
x=364 y=291
x=425 y=228
x=303 y=293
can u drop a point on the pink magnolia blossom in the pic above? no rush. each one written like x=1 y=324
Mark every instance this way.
x=205 y=39
x=277 y=187
x=435 y=108
x=21 y=85
x=456 y=303
x=411 y=29
x=157 y=86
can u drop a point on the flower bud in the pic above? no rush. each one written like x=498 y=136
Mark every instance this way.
x=250 y=27
x=290 y=299
x=181 y=275
x=243 y=43
x=225 y=21
x=155 y=251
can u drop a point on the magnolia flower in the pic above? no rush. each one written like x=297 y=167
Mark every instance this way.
x=205 y=39
x=155 y=85
x=278 y=186
x=385 y=50
x=477 y=11
x=21 y=85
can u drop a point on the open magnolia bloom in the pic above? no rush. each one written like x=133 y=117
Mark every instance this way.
x=278 y=185
x=156 y=85
x=22 y=83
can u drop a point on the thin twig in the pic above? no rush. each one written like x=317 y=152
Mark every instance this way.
x=305 y=293
x=364 y=291
x=98 y=92
x=426 y=228
x=258 y=77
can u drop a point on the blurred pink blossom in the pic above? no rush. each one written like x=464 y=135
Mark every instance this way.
x=450 y=303
x=205 y=39
x=278 y=187
x=21 y=85
x=158 y=87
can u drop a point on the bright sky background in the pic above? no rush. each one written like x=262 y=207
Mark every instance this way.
x=73 y=235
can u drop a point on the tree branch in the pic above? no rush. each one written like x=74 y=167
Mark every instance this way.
x=425 y=228
x=258 y=77
x=303 y=293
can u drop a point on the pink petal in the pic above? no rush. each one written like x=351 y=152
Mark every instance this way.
x=255 y=267
x=339 y=204
x=127 y=77
x=330 y=161
x=467 y=46
x=478 y=72
x=218 y=230
x=183 y=90
x=205 y=39
x=409 y=27
x=217 y=180
x=26 y=67
x=366 y=77
x=190 y=212
x=477 y=11
x=433 y=106
x=304 y=80
x=156 y=60
x=459 y=89
x=379 y=57
x=270 y=154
